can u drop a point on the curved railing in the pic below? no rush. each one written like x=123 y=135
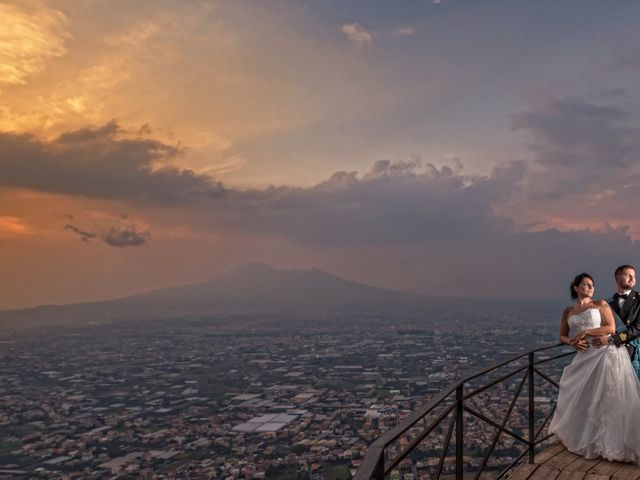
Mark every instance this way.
x=452 y=403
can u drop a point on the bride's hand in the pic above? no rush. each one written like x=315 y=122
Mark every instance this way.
x=579 y=343
x=580 y=336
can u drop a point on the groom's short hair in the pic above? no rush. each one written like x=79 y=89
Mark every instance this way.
x=622 y=268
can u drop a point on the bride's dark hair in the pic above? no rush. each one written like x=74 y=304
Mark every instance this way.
x=577 y=281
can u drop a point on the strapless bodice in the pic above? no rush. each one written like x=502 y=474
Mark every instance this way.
x=585 y=320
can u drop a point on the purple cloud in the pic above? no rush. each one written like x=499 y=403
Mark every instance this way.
x=127 y=237
x=94 y=162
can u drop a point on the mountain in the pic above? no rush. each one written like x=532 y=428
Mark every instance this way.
x=260 y=287
x=255 y=287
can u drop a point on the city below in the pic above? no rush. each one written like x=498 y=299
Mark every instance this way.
x=241 y=396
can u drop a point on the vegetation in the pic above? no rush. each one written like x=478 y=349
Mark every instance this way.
x=339 y=471
x=8 y=446
x=283 y=472
x=381 y=392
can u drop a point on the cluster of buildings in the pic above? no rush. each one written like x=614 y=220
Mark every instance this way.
x=196 y=400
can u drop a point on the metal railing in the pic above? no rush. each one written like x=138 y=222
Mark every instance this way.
x=454 y=401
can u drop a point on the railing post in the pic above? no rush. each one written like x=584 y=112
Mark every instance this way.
x=531 y=411
x=459 y=431
x=378 y=472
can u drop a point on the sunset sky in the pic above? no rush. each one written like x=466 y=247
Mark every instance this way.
x=447 y=147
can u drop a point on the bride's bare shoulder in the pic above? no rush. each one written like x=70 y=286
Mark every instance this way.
x=600 y=303
x=567 y=311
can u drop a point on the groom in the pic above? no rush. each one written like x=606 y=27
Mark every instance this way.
x=626 y=305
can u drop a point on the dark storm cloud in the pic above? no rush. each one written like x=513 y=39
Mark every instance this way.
x=94 y=162
x=84 y=236
x=403 y=203
x=580 y=134
x=127 y=237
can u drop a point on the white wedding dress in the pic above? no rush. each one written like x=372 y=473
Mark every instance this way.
x=598 y=409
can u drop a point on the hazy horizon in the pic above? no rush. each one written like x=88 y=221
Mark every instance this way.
x=250 y=267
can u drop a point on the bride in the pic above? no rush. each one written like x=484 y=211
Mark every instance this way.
x=599 y=401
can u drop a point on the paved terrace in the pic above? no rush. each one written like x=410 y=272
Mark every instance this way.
x=558 y=463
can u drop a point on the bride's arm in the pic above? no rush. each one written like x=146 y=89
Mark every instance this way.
x=564 y=329
x=608 y=323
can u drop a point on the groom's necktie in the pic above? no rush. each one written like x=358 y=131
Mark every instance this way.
x=620 y=298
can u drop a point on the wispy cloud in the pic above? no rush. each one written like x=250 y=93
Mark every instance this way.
x=136 y=36
x=404 y=32
x=84 y=236
x=28 y=41
x=580 y=133
x=359 y=36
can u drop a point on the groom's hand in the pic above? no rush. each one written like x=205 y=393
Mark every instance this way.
x=579 y=343
x=601 y=341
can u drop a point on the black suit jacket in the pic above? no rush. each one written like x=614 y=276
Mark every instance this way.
x=630 y=316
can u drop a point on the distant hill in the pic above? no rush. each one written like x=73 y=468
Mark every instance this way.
x=259 y=287
x=252 y=288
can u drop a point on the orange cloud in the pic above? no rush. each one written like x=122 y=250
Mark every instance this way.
x=28 y=40
x=358 y=35
x=14 y=226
